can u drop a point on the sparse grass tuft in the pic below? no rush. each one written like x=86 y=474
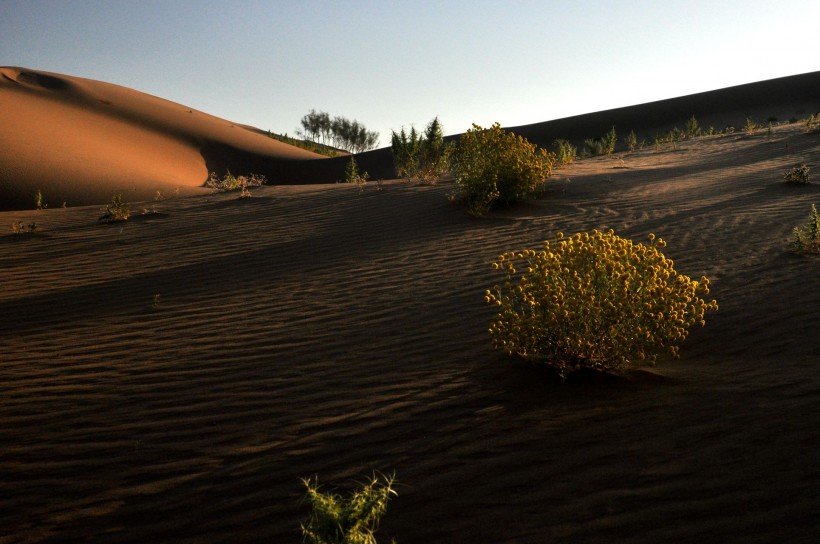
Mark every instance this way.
x=565 y=152
x=18 y=227
x=229 y=182
x=116 y=211
x=797 y=175
x=806 y=238
x=346 y=520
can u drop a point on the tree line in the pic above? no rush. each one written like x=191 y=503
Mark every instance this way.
x=338 y=132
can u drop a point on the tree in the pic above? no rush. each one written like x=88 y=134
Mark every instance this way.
x=340 y=132
x=421 y=158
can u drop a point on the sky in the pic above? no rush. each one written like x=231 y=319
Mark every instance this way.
x=391 y=64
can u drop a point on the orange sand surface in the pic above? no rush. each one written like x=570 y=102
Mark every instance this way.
x=80 y=141
x=170 y=378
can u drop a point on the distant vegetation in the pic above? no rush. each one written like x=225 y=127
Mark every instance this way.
x=339 y=132
x=421 y=158
x=604 y=145
x=303 y=144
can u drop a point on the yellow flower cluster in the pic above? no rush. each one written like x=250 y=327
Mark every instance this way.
x=494 y=165
x=596 y=300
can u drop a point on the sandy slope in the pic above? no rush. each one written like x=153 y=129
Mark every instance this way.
x=316 y=330
x=80 y=141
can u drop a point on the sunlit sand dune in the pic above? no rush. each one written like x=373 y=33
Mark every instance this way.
x=80 y=141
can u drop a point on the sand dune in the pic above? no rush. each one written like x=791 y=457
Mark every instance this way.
x=80 y=141
x=170 y=378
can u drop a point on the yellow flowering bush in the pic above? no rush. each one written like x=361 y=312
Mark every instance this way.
x=594 y=300
x=492 y=165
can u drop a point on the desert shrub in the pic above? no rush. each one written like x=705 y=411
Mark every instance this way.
x=422 y=158
x=592 y=147
x=750 y=126
x=692 y=128
x=492 y=165
x=229 y=182
x=609 y=141
x=116 y=211
x=352 y=174
x=631 y=140
x=812 y=127
x=594 y=300
x=565 y=152
x=797 y=174
x=346 y=520
x=806 y=238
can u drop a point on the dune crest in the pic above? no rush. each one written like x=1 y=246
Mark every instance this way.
x=80 y=141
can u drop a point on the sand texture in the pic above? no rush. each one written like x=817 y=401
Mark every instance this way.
x=318 y=330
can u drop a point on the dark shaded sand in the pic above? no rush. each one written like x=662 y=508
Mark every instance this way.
x=316 y=330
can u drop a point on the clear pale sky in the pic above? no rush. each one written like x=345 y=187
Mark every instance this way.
x=393 y=64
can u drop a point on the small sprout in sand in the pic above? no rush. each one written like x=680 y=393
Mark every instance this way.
x=156 y=300
x=116 y=211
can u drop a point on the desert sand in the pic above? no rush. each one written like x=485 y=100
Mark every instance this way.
x=170 y=378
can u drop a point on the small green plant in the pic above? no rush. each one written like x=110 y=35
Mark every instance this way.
x=335 y=519
x=750 y=126
x=798 y=175
x=806 y=238
x=565 y=152
x=492 y=165
x=156 y=300
x=594 y=300
x=116 y=211
x=352 y=174
x=631 y=140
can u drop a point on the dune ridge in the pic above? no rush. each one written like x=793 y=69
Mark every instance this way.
x=81 y=141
